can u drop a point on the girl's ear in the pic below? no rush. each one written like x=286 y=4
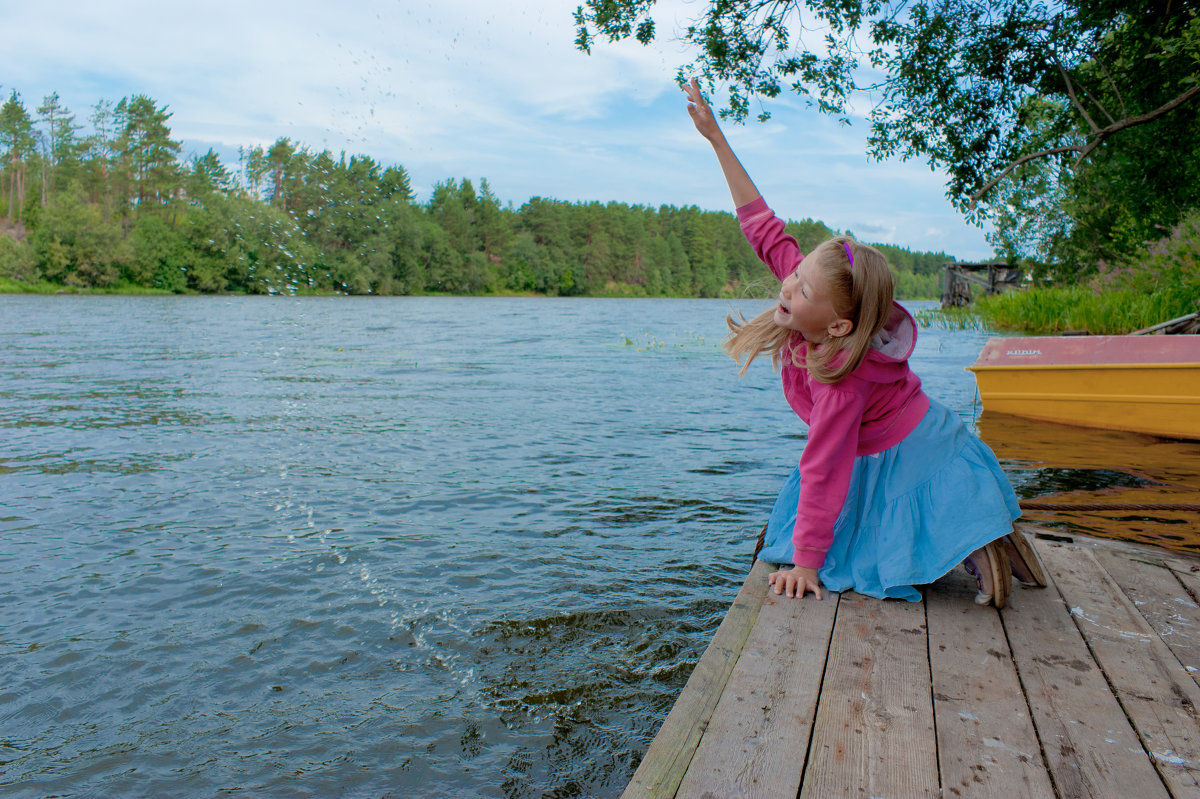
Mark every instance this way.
x=840 y=327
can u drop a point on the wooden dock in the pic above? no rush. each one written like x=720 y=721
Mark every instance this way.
x=1086 y=688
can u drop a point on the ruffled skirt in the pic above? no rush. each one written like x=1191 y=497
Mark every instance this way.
x=912 y=513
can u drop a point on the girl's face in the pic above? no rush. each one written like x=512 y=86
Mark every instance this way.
x=804 y=304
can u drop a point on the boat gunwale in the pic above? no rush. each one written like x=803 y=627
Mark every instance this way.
x=977 y=367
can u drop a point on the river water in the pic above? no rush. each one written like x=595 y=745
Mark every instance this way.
x=377 y=547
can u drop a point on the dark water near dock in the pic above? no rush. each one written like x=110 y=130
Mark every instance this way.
x=377 y=547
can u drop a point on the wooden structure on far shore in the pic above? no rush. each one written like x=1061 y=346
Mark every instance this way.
x=1086 y=688
x=994 y=277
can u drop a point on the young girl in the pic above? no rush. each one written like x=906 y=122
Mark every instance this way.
x=892 y=491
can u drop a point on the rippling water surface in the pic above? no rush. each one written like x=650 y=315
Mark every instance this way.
x=372 y=547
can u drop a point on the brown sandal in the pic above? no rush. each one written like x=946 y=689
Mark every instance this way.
x=995 y=561
x=1026 y=565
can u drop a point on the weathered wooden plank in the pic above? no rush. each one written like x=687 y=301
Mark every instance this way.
x=1158 y=695
x=1191 y=583
x=1189 y=578
x=874 y=730
x=1089 y=745
x=754 y=746
x=1159 y=596
x=666 y=760
x=987 y=746
x=1187 y=564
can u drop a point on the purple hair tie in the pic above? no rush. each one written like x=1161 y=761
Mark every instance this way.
x=849 y=254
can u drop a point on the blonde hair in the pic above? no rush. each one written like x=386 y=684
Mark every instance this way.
x=861 y=292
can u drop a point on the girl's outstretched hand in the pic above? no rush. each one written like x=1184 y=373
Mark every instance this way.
x=796 y=582
x=741 y=187
x=701 y=112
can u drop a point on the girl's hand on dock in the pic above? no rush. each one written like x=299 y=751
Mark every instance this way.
x=796 y=582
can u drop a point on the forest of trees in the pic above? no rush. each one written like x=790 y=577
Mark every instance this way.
x=114 y=205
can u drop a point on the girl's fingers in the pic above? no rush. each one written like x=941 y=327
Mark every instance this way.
x=793 y=585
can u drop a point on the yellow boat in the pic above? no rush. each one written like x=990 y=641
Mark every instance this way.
x=1146 y=384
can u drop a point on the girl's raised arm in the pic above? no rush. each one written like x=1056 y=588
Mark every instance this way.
x=740 y=185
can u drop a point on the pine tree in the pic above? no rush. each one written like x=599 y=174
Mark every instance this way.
x=148 y=154
x=16 y=135
x=62 y=146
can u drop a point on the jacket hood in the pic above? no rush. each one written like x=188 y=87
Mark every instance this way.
x=886 y=360
x=891 y=347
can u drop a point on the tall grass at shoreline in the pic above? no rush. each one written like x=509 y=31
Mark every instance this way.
x=1155 y=285
x=952 y=318
x=10 y=286
x=1047 y=311
x=1077 y=309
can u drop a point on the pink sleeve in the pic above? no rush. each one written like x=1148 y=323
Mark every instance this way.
x=825 y=468
x=765 y=233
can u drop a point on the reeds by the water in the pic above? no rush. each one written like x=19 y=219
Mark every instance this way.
x=1077 y=309
x=953 y=318
x=1151 y=286
x=1049 y=311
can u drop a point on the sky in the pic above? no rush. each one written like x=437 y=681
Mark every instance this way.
x=465 y=89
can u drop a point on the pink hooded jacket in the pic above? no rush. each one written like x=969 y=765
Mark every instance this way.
x=871 y=409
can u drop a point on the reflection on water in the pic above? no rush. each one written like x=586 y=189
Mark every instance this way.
x=1076 y=466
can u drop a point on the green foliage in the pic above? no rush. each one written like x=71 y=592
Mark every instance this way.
x=8 y=286
x=1068 y=219
x=956 y=76
x=1154 y=285
x=296 y=221
x=11 y=286
x=206 y=176
x=251 y=248
x=159 y=255
x=1075 y=309
x=17 y=139
x=16 y=260
x=1094 y=106
x=954 y=317
x=62 y=145
x=909 y=286
x=748 y=45
x=147 y=167
x=1168 y=268
x=76 y=245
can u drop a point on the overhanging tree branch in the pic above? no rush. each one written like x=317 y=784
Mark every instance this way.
x=1113 y=85
x=1141 y=119
x=1075 y=100
x=1098 y=138
x=1022 y=160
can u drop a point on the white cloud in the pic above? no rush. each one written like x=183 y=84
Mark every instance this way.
x=463 y=88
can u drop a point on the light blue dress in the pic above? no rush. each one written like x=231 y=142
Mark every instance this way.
x=912 y=512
